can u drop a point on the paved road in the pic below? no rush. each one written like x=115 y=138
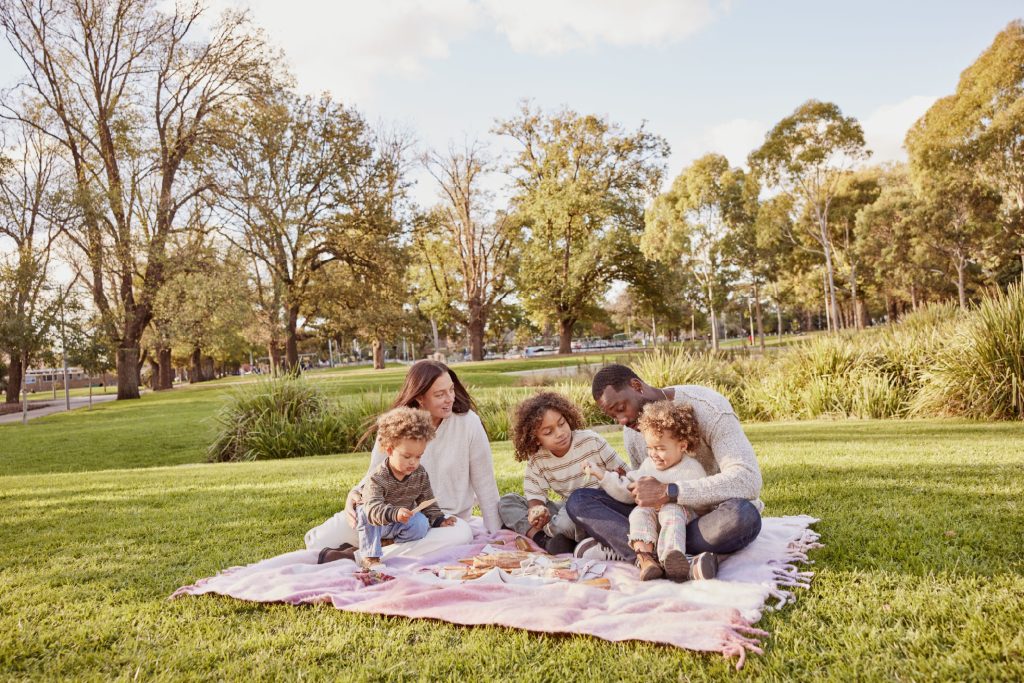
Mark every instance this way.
x=56 y=407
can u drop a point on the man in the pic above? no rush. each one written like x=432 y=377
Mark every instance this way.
x=726 y=500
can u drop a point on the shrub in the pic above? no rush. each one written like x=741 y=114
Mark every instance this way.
x=979 y=373
x=277 y=418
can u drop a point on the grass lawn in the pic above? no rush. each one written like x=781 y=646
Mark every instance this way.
x=920 y=579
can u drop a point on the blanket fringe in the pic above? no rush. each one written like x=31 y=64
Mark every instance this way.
x=737 y=644
x=788 y=574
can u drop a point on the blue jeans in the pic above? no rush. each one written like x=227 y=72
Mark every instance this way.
x=733 y=525
x=370 y=535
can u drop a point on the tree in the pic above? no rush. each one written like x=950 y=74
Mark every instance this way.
x=688 y=225
x=32 y=217
x=959 y=207
x=130 y=95
x=855 y=192
x=807 y=154
x=468 y=248
x=580 y=186
x=288 y=187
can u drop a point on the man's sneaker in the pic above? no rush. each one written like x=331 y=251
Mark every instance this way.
x=703 y=566
x=590 y=549
x=677 y=568
x=345 y=551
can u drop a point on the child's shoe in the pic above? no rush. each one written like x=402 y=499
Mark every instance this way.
x=703 y=566
x=677 y=568
x=649 y=567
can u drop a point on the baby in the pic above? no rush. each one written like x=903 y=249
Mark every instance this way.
x=397 y=487
x=670 y=430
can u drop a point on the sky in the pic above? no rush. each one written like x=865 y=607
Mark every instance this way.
x=707 y=75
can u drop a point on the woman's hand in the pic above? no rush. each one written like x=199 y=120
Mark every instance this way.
x=403 y=515
x=448 y=521
x=353 y=498
x=538 y=516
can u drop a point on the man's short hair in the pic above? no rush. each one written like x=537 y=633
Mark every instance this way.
x=614 y=376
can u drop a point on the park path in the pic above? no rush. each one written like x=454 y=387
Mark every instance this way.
x=56 y=407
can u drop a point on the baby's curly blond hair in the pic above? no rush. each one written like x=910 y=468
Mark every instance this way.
x=671 y=418
x=404 y=423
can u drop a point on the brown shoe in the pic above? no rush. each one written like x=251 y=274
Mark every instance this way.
x=649 y=567
x=345 y=551
x=677 y=568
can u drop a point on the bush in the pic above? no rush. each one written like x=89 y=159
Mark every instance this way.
x=277 y=418
x=979 y=373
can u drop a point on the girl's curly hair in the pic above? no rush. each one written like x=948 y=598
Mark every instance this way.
x=528 y=416
x=404 y=423
x=668 y=417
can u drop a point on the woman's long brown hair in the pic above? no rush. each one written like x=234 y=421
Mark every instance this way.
x=418 y=381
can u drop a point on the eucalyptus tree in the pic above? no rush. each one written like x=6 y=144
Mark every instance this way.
x=130 y=93
x=807 y=153
x=856 y=191
x=688 y=225
x=468 y=247
x=580 y=184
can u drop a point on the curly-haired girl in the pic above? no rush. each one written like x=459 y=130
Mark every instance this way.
x=547 y=432
x=670 y=430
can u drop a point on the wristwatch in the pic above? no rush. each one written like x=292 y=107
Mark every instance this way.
x=673 y=492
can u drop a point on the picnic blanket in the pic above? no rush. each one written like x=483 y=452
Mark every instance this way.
x=715 y=615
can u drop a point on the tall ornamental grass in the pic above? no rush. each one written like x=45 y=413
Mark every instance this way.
x=979 y=373
x=286 y=417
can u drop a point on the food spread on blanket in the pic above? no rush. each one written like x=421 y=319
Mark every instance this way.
x=524 y=562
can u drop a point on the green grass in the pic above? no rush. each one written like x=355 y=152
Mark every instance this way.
x=87 y=560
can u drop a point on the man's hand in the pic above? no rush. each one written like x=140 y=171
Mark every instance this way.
x=538 y=516
x=448 y=521
x=648 y=492
x=404 y=515
x=354 y=498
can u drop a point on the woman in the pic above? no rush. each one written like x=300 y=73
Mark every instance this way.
x=458 y=461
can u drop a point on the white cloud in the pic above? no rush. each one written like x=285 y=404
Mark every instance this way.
x=886 y=127
x=734 y=139
x=546 y=27
x=346 y=46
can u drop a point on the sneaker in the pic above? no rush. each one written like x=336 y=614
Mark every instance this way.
x=591 y=549
x=677 y=568
x=647 y=562
x=704 y=566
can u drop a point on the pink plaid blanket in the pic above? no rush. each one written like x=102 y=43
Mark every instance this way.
x=716 y=615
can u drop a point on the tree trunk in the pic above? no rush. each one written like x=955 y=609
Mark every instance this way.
x=565 y=334
x=760 y=314
x=127 y=372
x=378 y=353
x=827 y=244
x=14 y=373
x=855 y=302
x=274 y=351
x=195 y=374
x=166 y=370
x=207 y=368
x=154 y=372
x=291 y=342
x=714 y=328
x=961 y=282
x=476 y=327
